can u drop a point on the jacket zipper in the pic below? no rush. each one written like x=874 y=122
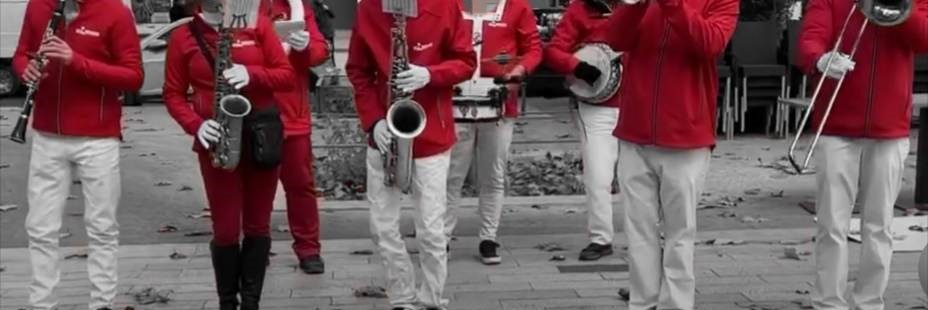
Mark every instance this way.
x=872 y=77
x=657 y=83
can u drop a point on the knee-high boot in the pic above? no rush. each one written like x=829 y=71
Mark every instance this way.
x=254 y=265
x=226 y=267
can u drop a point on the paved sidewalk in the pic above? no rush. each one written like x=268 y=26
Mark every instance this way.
x=753 y=275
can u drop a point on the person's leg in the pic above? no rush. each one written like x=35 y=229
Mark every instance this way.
x=97 y=162
x=429 y=192
x=48 y=185
x=682 y=173
x=881 y=168
x=640 y=185
x=837 y=162
x=600 y=152
x=385 y=232
x=225 y=199
x=462 y=155
x=260 y=187
x=296 y=175
x=493 y=141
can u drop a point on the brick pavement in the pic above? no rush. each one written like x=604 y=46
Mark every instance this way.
x=749 y=276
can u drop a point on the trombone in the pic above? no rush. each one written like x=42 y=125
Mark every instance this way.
x=879 y=12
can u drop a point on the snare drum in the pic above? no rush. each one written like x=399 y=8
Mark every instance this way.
x=476 y=109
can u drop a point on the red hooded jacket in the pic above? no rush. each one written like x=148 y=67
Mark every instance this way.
x=438 y=40
x=257 y=49
x=294 y=104
x=516 y=34
x=876 y=98
x=670 y=84
x=82 y=98
x=581 y=24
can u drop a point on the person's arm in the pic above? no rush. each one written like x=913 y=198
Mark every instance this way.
x=176 y=83
x=125 y=71
x=275 y=73
x=621 y=30
x=318 y=50
x=706 y=35
x=528 y=40
x=559 y=54
x=817 y=35
x=460 y=60
x=361 y=69
x=914 y=30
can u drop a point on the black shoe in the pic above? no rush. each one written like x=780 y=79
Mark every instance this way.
x=488 y=253
x=226 y=267
x=312 y=265
x=595 y=251
x=254 y=266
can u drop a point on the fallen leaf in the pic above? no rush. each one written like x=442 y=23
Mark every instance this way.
x=125 y=147
x=777 y=194
x=2 y=268
x=918 y=228
x=721 y=241
x=752 y=192
x=198 y=233
x=370 y=292
x=563 y=136
x=558 y=258
x=4 y=166
x=150 y=295
x=728 y=214
x=202 y=214
x=794 y=253
x=570 y=211
x=184 y=188
x=5 y=208
x=81 y=255
x=177 y=255
x=167 y=229
x=549 y=247
x=362 y=252
x=623 y=294
x=77 y=182
x=753 y=220
x=64 y=235
x=802 y=292
x=539 y=207
x=413 y=251
x=163 y=183
x=282 y=228
x=72 y=197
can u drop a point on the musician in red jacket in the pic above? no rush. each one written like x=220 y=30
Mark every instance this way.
x=440 y=56
x=240 y=200
x=92 y=57
x=582 y=24
x=666 y=132
x=508 y=30
x=864 y=144
x=306 y=48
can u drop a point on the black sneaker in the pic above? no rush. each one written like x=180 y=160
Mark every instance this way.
x=595 y=251
x=312 y=265
x=488 y=253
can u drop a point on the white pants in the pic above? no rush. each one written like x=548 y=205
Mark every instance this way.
x=600 y=152
x=661 y=188
x=97 y=165
x=846 y=167
x=428 y=191
x=487 y=144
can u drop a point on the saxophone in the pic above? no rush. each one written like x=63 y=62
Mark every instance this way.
x=405 y=117
x=230 y=108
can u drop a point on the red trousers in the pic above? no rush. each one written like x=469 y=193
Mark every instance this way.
x=241 y=200
x=296 y=175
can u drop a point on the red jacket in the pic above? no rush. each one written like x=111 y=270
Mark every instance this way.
x=876 y=98
x=257 y=49
x=294 y=104
x=82 y=98
x=580 y=24
x=516 y=34
x=670 y=84
x=438 y=39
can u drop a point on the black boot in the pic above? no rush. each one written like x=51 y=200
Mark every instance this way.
x=226 y=266
x=254 y=265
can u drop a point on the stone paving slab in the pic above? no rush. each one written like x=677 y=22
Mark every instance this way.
x=755 y=275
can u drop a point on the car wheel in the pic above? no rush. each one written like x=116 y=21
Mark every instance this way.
x=9 y=84
x=131 y=99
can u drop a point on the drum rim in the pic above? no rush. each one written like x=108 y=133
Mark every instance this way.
x=611 y=85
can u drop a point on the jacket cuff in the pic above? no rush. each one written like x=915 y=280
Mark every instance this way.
x=78 y=63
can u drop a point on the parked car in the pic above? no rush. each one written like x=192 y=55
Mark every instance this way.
x=154 y=50
x=11 y=20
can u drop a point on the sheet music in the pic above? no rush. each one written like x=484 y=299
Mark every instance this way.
x=240 y=13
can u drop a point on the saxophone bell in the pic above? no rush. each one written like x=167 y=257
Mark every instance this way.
x=406 y=119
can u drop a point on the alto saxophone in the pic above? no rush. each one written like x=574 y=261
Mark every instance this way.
x=405 y=117
x=19 y=131
x=230 y=108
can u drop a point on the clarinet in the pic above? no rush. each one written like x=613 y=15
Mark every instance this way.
x=19 y=132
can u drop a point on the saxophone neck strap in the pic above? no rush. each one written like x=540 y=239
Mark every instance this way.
x=197 y=31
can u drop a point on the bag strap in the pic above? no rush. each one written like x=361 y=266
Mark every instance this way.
x=198 y=35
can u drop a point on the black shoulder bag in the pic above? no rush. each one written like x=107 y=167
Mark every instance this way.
x=263 y=128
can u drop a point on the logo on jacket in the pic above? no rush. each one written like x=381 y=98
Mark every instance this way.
x=498 y=25
x=419 y=47
x=242 y=43
x=87 y=32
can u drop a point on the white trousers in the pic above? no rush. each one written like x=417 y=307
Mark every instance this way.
x=97 y=165
x=661 y=188
x=600 y=153
x=428 y=194
x=487 y=145
x=848 y=167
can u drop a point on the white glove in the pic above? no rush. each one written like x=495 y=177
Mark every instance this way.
x=382 y=136
x=839 y=66
x=237 y=76
x=413 y=79
x=298 y=40
x=208 y=134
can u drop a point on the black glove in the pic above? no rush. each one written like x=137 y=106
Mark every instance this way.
x=587 y=73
